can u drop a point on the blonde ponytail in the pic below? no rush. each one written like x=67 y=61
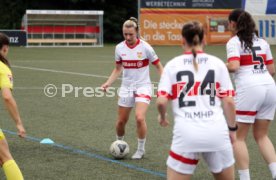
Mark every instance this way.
x=132 y=22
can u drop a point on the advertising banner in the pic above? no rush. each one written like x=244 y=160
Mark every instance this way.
x=266 y=27
x=161 y=21
x=260 y=7
x=17 y=37
x=202 y=4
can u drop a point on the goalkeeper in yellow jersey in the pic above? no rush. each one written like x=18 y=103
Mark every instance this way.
x=9 y=166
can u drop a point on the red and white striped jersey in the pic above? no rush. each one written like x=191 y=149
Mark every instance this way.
x=135 y=61
x=253 y=63
x=200 y=125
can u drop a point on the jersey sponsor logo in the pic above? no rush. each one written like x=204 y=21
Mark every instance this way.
x=135 y=64
x=198 y=114
x=139 y=55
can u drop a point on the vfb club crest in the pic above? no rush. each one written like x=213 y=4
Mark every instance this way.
x=140 y=55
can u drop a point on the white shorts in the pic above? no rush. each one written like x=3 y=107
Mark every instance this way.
x=257 y=102
x=185 y=163
x=128 y=96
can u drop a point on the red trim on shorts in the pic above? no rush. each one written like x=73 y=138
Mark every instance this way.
x=183 y=159
x=267 y=62
x=246 y=113
x=143 y=96
x=135 y=64
x=164 y=94
x=155 y=61
x=136 y=44
x=236 y=58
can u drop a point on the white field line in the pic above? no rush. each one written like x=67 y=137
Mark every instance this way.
x=66 y=61
x=58 y=88
x=59 y=71
x=64 y=72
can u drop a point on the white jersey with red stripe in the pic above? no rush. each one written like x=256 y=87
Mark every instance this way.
x=135 y=61
x=200 y=125
x=253 y=70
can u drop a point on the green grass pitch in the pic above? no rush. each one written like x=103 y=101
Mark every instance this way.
x=87 y=124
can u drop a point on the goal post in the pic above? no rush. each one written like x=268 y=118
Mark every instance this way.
x=58 y=28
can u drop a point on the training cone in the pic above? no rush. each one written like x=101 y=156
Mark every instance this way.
x=47 y=141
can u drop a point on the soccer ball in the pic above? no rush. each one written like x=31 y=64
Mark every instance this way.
x=119 y=149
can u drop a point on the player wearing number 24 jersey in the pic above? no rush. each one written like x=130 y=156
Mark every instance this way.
x=196 y=101
x=197 y=83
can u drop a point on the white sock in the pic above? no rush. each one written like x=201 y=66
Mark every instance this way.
x=272 y=167
x=141 y=144
x=120 y=137
x=244 y=174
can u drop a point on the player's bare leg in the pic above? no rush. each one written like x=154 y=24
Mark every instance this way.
x=4 y=151
x=226 y=174
x=260 y=130
x=173 y=175
x=123 y=115
x=140 y=116
x=241 y=151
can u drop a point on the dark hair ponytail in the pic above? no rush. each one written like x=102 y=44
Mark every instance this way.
x=193 y=33
x=245 y=27
x=4 y=40
x=235 y=14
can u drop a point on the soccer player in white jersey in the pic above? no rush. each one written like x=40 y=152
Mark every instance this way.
x=250 y=59
x=197 y=84
x=133 y=56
